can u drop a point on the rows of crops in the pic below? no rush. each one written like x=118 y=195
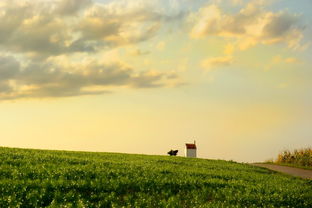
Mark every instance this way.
x=33 y=178
x=298 y=157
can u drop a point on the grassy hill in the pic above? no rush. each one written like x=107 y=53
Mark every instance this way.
x=37 y=178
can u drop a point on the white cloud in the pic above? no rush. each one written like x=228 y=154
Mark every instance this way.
x=60 y=45
x=49 y=28
x=252 y=25
x=63 y=78
x=70 y=7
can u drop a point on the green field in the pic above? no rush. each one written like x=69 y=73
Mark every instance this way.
x=34 y=178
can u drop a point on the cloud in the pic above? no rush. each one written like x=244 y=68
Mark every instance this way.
x=31 y=27
x=291 y=60
x=229 y=49
x=56 y=47
x=70 y=7
x=280 y=60
x=8 y=67
x=288 y=60
x=279 y=24
x=252 y=25
x=50 y=28
x=66 y=78
x=115 y=28
x=220 y=61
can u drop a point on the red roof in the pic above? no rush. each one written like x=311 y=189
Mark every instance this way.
x=190 y=146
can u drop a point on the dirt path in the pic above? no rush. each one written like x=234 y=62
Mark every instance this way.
x=289 y=170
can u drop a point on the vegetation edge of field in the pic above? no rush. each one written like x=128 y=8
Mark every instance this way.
x=298 y=158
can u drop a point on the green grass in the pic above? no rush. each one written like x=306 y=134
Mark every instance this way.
x=36 y=178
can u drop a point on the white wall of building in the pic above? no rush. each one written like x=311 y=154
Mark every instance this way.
x=190 y=152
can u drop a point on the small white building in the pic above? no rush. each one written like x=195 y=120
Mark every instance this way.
x=190 y=150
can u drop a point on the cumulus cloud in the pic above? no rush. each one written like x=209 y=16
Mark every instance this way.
x=43 y=38
x=56 y=79
x=113 y=27
x=70 y=7
x=49 y=28
x=31 y=27
x=8 y=67
x=252 y=25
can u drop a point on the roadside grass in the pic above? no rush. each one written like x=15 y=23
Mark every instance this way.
x=42 y=178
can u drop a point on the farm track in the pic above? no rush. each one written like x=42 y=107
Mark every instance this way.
x=306 y=174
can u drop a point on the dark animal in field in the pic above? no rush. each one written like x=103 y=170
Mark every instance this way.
x=173 y=152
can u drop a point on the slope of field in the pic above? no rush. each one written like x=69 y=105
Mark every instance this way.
x=34 y=178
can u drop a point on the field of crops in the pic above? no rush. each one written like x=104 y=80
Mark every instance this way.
x=297 y=158
x=34 y=178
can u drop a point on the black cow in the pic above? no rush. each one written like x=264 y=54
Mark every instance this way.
x=173 y=152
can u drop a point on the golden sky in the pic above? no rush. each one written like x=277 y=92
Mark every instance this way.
x=145 y=77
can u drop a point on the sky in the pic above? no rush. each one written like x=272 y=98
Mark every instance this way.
x=147 y=76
